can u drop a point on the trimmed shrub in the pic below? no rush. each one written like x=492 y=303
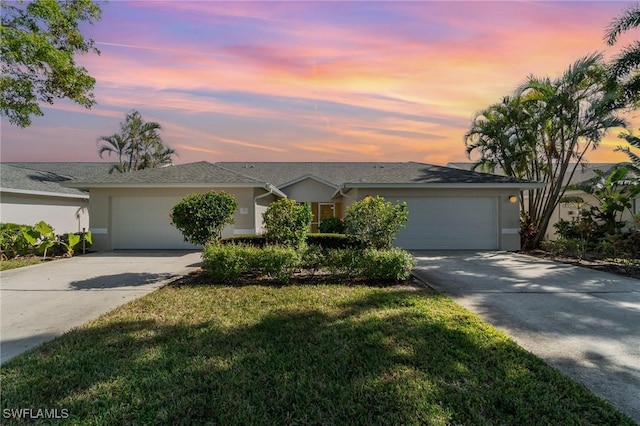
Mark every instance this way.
x=333 y=225
x=201 y=217
x=375 y=221
x=287 y=222
x=248 y=240
x=393 y=264
x=228 y=262
x=334 y=241
x=278 y=262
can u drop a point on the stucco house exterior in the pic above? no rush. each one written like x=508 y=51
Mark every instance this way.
x=448 y=208
x=31 y=192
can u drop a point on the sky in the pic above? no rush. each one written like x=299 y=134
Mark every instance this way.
x=314 y=80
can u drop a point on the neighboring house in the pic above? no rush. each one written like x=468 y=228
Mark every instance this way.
x=31 y=192
x=578 y=200
x=448 y=208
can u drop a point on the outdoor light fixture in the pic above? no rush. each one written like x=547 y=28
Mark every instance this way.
x=513 y=199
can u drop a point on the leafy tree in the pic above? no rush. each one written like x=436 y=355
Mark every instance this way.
x=201 y=217
x=39 y=41
x=375 y=221
x=542 y=133
x=137 y=146
x=287 y=222
x=626 y=65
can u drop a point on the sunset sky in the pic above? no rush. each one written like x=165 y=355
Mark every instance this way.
x=313 y=81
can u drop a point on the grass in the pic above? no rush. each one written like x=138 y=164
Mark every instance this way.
x=18 y=263
x=325 y=354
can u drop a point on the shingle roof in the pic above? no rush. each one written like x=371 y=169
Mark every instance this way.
x=184 y=174
x=41 y=177
x=583 y=173
x=281 y=173
x=70 y=169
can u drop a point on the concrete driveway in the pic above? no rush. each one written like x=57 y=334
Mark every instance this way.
x=585 y=323
x=43 y=301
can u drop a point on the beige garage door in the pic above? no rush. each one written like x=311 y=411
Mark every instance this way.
x=144 y=223
x=456 y=223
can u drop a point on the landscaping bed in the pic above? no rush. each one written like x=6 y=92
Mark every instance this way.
x=340 y=353
x=626 y=268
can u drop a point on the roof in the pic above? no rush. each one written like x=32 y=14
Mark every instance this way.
x=192 y=175
x=47 y=178
x=582 y=175
x=354 y=174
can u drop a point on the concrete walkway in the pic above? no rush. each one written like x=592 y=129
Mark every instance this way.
x=585 y=323
x=43 y=301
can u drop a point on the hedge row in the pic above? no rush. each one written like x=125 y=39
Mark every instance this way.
x=325 y=241
x=231 y=261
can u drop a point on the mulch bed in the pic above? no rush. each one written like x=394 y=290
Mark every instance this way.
x=591 y=262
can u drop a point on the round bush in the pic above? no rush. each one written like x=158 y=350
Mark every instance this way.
x=201 y=217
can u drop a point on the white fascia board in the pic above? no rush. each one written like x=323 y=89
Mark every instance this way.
x=520 y=186
x=44 y=193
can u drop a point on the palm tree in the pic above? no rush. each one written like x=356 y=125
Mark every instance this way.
x=114 y=144
x=625 y=66
x=634 y=141
x=138 y=145
x=543 y=131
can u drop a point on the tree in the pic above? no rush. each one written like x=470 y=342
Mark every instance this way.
x=138 y=145
x=625 y=66
x=287 y=222
x=633 y=141
x=39 y=41
x=542 y=133
x=375 y=221
x=201 y=217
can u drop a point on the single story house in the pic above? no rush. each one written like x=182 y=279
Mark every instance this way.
x=32 y=192
x=448 y=208
x=574 y=200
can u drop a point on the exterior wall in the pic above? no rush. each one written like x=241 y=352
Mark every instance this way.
x=508 y=212
x=100 y=209
x=63 y=214
x=309 y=190
x=261 y=205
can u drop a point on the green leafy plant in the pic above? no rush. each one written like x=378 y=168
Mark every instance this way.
x=40 y=236
x=332 y=225
x=12 y=240
x=228 y=262
x=376 y=221
x=287 y=222
x=201 y=217
x=70 y=241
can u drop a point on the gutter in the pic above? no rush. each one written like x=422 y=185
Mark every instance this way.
x=339 y=192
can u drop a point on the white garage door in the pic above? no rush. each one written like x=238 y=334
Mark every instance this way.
x=144 y=223
x=450 y=223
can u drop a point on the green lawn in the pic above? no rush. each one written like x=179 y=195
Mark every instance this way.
x=299 y=354
x=13 y=264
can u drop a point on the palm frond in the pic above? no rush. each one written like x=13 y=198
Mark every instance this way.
x=630 y=18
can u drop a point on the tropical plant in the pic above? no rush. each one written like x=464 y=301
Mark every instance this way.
x=138 y=145
x=615 y=192
x=332 y=225
x=625 y=67
x=287 y=222
x=542 y=133
x=634 y=158
x=375 y=221
x=12 y=240
x=40 y=236
x=72 y=240
x=39 y=41
x=201 y=217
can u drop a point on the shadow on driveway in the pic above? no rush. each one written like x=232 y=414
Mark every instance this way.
x=583 y=322
x=127 y=279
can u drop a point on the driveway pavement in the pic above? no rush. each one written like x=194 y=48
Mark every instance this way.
x=585 y=323
x=43 y=301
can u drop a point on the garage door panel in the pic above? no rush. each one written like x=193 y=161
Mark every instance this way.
x=144 y=223
x=450 y=223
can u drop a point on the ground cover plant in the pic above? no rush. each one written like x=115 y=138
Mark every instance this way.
x=6 y=264
x=327 y=354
